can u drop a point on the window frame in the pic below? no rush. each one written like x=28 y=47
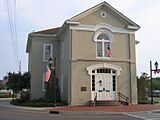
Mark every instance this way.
x=44 y=49
x=103 y=41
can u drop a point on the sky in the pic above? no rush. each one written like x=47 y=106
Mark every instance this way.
x=35 y=15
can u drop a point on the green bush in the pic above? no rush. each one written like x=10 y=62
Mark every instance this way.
x=38 y=103
x=146 y=101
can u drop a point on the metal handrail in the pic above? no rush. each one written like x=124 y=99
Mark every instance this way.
x=123 y=97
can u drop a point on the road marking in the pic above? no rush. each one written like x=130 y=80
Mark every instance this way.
x=145 y=115
x=133 y=115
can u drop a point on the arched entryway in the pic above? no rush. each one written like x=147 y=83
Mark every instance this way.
x=104 y=81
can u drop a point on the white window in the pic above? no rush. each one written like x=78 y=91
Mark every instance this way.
x=47 y=52
x=103 y=41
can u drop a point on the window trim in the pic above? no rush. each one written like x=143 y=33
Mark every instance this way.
x=100 y=31
x=44 y=47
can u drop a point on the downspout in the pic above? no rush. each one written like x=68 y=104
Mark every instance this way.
x=70 y=66
x=130 y=78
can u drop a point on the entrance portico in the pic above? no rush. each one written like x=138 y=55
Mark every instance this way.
x=104 y=81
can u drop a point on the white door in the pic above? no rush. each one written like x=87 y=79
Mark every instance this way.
x=105 y=87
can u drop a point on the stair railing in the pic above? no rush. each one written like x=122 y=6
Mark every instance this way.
x=124 y=98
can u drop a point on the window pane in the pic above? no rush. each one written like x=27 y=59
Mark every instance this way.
x=47 y=52
x=114 y=82
x=103 y=36
x=93 y=82
x=114 y=72
x=47 y=49
x=99 y=49
x=108 y=70
x=106 y=45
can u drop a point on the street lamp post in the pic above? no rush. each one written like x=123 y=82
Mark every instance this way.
x=156 y=70
x=52 y=79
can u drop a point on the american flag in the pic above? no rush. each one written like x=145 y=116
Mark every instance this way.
x=108 y=52
x=47 y=74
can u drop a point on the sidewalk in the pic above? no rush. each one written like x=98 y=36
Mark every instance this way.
x=131 y=108
x=98 y=109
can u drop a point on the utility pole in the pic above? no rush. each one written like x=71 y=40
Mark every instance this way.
x=20 y=78
x=20 y=66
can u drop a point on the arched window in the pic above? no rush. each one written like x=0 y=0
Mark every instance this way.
x=103 y=41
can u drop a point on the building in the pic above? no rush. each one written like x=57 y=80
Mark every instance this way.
x=95 y=56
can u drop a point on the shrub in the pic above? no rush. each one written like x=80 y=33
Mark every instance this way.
x=38 y=103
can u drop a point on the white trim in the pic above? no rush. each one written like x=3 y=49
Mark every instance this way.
x=111 y=28
x=103 y=14
x=103 y=30
x=44 y=47
x=109 y=41
x=104 y=65
x=132 y=27
x=72 y=22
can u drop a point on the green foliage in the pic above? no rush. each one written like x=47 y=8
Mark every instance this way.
x=142 y=88
x=2 y=86
x=38 y=103
x=147 y=101
x=52 y=91
x=17 y=82
x=144 y=101
x=155 y=83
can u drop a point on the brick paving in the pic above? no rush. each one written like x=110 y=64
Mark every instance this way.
x=131 y=108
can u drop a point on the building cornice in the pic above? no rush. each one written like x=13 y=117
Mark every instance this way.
x=113 y=29
x=105 y=60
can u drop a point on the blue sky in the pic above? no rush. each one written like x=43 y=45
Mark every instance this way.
x=34 y=15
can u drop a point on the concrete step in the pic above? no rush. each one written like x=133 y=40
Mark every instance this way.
x=108 y=103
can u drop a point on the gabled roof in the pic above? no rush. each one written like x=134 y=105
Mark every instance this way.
x=109 y=7
x=48 y=31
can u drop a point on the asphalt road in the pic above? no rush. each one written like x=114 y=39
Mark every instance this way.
x=15 y=114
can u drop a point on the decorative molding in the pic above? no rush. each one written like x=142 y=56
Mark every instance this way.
x=113 y=29
x=104 y=60
x=104 y=65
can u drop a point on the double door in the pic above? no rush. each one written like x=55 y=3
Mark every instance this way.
x=105 y=87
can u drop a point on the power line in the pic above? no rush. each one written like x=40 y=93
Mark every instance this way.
x=12 y=20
